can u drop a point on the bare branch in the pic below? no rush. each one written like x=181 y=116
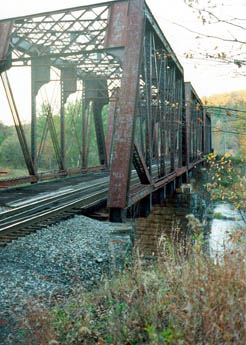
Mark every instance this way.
x=239 y=19
x=219 y=20
x=210 y=36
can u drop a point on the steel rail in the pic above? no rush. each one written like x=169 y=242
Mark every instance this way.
x=47 y=200
x=17 y=222
x=28 y=210
x=59 y=210
x=33 y=213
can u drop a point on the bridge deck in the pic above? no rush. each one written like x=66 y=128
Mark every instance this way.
x=18 y=196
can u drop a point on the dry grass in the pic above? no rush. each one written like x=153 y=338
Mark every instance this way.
x=178 y=299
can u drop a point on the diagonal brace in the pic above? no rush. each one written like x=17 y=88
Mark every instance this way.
x=140 y=166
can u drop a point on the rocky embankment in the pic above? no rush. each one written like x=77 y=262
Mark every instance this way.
x=47 y=264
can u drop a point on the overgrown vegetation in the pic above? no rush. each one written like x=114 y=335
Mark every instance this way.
x=227 y=181
x=182 y=298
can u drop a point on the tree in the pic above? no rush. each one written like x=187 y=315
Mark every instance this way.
x=225 y=113
x=227 y=181
x=10 y=153
x=224 y=29
x=228 y=112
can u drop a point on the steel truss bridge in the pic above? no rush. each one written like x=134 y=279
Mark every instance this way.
x=129 y=84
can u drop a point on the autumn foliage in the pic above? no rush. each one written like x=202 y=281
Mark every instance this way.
x=227 y=180
x=228 y=114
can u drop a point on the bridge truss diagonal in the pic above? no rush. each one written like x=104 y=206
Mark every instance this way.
x=130 y=96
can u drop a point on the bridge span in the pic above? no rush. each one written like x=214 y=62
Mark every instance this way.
x=122 y=103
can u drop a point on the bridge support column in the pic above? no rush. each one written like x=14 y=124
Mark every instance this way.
x=185 y=177
x=159 y=196
x=190 y=174
x=179 y=181
x=40 y=75
x=170 y=188
x=144 y=207
x=97 y=111
x=116 y=215
x=34 y=92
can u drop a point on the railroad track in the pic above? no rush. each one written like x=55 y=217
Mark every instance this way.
x=34 y=215
x=31 y=217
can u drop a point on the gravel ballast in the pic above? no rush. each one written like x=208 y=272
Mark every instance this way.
x=52 y=261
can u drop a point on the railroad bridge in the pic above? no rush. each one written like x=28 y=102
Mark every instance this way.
x=113 y=66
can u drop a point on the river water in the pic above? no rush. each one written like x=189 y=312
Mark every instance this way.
x=221 y=229
x=219 y=220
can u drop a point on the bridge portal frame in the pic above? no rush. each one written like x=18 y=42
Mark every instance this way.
x=157 y=124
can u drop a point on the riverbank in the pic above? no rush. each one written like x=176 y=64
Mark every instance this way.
x=177 y=295
x=44 y=268
x=183 y=297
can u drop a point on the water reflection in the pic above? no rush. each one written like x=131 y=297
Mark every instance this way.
x=219 y=238
x=169 y=219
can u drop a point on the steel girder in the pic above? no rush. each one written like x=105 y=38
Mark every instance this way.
x=120 y=57
x=149 y=124
x=198 y=127
x=78 y=43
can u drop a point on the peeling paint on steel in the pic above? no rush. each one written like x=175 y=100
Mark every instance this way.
x=116 y=31
x=5 y=29
x=124 y=136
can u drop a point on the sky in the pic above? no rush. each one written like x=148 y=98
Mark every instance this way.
x=206 y=76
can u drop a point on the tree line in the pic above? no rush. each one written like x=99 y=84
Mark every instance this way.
x=228 y=114
x=10 y=150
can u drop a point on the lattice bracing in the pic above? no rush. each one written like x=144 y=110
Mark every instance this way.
x=131 y=98
x=72 y=38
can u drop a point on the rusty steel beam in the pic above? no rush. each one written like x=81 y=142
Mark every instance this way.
x=71 y=9
x=68 y=85
x=195 y=164
x=62 y=127
x=4 y=183
x=173 y=116
x=139 y=192
x=18 y=124
x=163 y=108
x=180 y=82
x=188 y=102
x=156 y=142
x=97 y=112
x=148 y=94
x=125 y=123
x=114 y=105
x=115 y=46
x=140 y=166
x=40 y=75
x=163 y=39
x=5 y=31
x=196 y=123
x=208 y=135
x=17 y=181
x=85 y=143
x=54 y=138
x=116 y=34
